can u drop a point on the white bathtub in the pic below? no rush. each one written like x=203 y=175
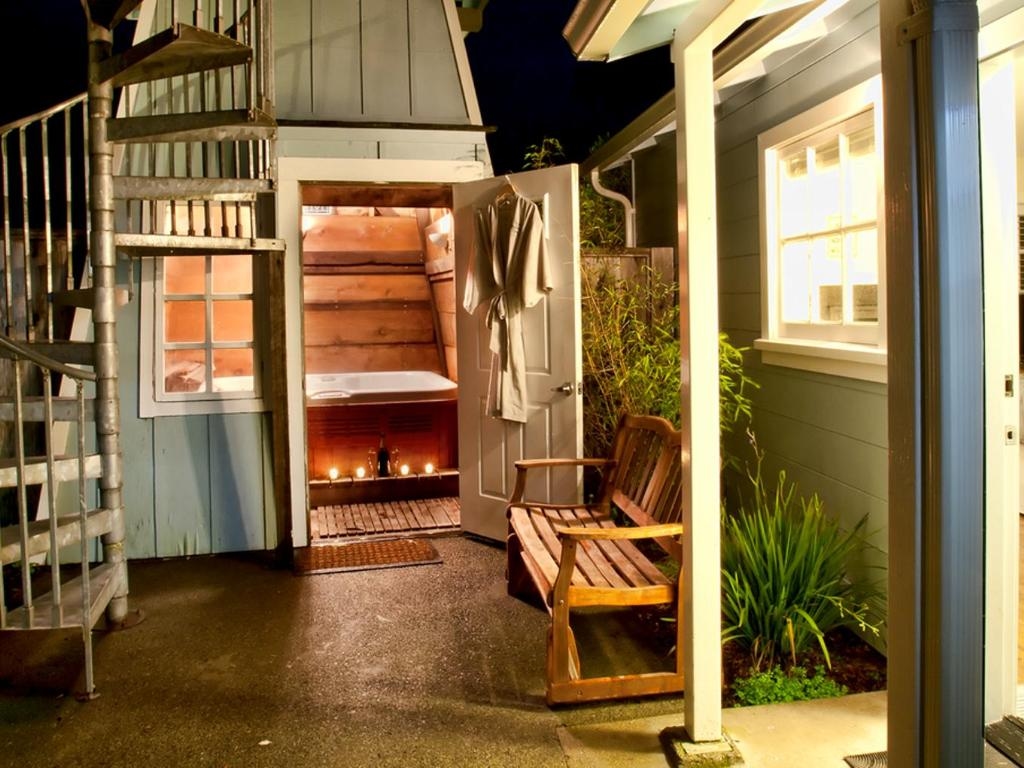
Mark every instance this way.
x=378 y=387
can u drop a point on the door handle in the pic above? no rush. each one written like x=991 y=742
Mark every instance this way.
x=566 y=389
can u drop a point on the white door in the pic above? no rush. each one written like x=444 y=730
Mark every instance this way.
x=488 y=446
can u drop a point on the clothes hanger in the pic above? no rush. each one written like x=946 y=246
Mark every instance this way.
x=507 y=193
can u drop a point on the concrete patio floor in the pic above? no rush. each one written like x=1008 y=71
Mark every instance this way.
x=238 y=664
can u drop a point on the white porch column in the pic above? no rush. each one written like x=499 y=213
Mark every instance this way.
x=701 y=612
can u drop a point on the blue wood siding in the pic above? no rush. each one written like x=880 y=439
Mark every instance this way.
x=345 y=60
x=193 y=485
x=829 y=433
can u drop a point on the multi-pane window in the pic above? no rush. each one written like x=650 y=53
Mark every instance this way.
x=202 y=335
x=826 y=233
x=205 y=330
x=822 y=235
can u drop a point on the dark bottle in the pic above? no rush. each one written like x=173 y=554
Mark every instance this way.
x=383 y=459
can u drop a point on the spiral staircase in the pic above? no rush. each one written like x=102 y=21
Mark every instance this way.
x=185 y=166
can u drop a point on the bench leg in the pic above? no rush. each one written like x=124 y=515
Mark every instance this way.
x=563 y=657
x=519 y=583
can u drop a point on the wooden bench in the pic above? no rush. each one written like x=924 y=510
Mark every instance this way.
x=582 y=555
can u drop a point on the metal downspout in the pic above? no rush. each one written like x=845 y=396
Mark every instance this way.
x=627 y=204
x=104 y=312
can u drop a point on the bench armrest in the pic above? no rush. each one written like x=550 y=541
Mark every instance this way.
x=606 y=534
x=524 y=465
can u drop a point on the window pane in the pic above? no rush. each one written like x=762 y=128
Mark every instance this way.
x=184 y=274
x=827 y=279
x=185 y=370
x=232 y=274
x=232 y=320
x=861 y=183
x=862 y=274
x=825 y=201
x=793 y=195
x=184 y=321
x=795 y=306
x=232 y=370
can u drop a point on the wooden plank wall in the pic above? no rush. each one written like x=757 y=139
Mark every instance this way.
x=367 y=301
x=345 y=60
x=440 y=267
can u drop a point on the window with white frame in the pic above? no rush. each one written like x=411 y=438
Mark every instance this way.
x=202 y=318
x=824 y=288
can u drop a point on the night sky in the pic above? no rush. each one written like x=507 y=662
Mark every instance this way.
x=528 y=83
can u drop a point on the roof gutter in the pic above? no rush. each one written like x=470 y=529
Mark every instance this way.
x=661 y=114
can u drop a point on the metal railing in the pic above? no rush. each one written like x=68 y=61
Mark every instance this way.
x=24 y=358
x=44 y=186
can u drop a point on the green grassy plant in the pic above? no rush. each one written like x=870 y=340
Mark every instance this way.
x=775 y=685
x=785 y=574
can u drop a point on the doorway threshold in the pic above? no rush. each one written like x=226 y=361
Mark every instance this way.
x=420 y=517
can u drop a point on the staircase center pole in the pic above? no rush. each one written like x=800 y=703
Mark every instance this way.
x=104 y=314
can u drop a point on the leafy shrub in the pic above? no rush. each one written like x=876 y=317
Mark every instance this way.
x=785 y=577
x=774 y=685
x=631 y=356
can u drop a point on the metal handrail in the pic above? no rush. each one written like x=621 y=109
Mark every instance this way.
x=45 y=361
x=24 y=122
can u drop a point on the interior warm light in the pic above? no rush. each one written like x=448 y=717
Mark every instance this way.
x=429 y=468
x=333 y=473
x=404 y=469
x=360 y=471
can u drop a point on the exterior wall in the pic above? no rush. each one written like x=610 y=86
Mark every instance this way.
x=193 y=485
x=828 y=432
x=387 y=61
x=654 y=193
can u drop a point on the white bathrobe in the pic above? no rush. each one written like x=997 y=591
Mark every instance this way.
x=509 y=272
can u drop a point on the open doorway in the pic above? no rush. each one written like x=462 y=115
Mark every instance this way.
x=380 y=365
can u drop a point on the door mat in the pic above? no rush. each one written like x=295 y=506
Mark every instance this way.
x=364 y=555
x=870 y=760
x=1007 y=736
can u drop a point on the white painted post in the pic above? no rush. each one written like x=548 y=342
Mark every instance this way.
x=701 y=613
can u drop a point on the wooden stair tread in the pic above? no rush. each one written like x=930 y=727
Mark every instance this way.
x=98 y=522
x=110 y=13
x=182 y=188
x=33 y=408
x=195 y=245
x=102 y=584
x=223 y=125
x=65 y=468
x=180 y=49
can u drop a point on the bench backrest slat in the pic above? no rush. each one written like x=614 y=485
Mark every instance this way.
x=646 y=480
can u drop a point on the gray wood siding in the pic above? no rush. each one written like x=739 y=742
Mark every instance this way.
x=829 y=433
x=351 y=60
x=193 y=485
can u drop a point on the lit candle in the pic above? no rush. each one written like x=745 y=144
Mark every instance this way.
x=404 y=469
x=429 y=468
x=333 y=473
x=360 y=471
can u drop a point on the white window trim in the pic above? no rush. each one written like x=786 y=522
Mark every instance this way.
x=857 y=361
x=194 y=405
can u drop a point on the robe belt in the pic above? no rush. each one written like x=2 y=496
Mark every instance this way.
x=497 y=309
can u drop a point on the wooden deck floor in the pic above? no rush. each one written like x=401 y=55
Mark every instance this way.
x=385 y=518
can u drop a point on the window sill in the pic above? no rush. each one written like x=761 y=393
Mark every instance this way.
x=154 y=408
x=854 y=361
